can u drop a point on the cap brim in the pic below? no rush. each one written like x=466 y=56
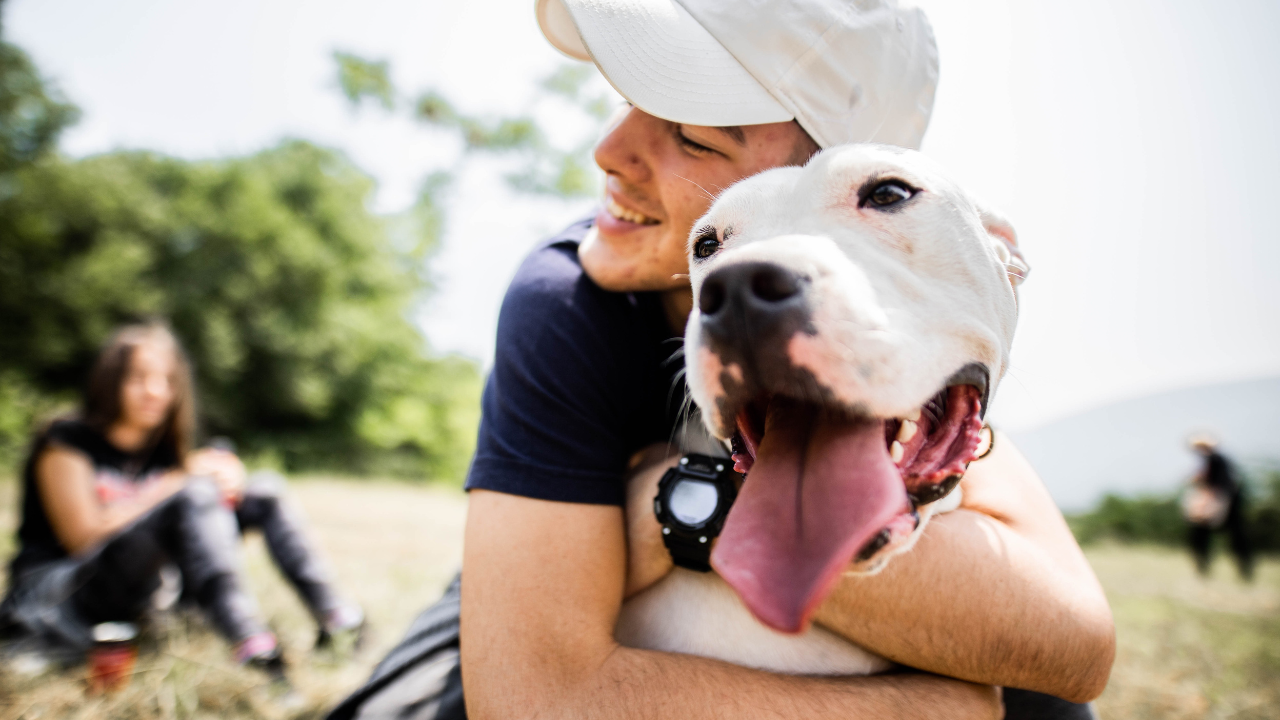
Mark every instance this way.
x=657 y=56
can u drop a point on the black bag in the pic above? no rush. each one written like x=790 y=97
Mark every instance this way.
x=421 y=678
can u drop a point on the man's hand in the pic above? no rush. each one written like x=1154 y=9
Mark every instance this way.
x=544 y=582
x=224 y=467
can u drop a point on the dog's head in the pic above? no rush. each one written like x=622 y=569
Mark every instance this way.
x=851 y=319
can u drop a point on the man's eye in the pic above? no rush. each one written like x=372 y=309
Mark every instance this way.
x=691 y=146
x=888 y=193
x=706 y=244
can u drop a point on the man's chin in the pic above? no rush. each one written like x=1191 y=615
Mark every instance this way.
x=630 y=265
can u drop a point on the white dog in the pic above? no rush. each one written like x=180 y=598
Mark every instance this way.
x=853 y=318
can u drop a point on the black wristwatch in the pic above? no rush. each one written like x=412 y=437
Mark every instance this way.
x=693 y=499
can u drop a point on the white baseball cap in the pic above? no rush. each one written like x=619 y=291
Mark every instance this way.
x=846 y=70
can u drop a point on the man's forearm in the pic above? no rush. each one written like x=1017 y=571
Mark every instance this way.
x=544 y=582
x=997 y=594
x=1033 y=630
x=645 y=684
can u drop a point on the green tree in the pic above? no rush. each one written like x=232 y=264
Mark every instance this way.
x=363 y=80
x=293 y=300
x=31 y=113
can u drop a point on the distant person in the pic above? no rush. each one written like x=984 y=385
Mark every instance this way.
x=1215 y=502
x=113 y=495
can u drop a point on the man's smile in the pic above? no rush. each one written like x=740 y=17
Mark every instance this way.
x=622 y=213
x=619 y=206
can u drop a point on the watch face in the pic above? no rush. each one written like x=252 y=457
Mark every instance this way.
x=693 y=502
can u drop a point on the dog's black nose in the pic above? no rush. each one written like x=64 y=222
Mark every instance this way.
x=766 y=285
x=747 y=305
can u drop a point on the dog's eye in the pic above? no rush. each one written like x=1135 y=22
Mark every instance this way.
x=706 y=244
x=887 y=194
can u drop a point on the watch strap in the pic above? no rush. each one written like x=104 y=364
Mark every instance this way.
x=689 y=553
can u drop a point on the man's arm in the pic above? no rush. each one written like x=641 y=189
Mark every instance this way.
x=997 y=592
x=544 y=584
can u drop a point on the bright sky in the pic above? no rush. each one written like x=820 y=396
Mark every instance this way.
x=1132 y=142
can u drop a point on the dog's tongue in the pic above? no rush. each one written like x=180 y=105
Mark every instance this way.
x=820 y=488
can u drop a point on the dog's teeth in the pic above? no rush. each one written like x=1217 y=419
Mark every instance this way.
x=914 y=415
x=906 y=431
x=895 y=451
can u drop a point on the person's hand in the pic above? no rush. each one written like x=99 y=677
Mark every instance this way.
x=224 y=468
x=647 y=558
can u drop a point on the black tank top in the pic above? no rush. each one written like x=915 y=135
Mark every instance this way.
x=117 y=475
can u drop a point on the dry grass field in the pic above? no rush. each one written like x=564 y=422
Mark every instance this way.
x=1188 y=648
x=392 y=546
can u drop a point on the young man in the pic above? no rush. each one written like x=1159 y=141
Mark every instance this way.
x=584 y=385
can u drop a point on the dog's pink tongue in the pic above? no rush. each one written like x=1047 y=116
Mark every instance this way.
x=821 y=487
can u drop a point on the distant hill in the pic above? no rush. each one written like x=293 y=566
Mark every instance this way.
x=1138 y=445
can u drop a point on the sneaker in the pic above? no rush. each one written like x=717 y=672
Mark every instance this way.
x=262 y=651
x=344 y=629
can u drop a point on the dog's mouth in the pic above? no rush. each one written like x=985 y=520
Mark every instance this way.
x=827 y=487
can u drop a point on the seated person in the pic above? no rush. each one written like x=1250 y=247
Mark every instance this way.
x=112 y=496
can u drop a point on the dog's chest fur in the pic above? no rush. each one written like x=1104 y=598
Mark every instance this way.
x=699 y=614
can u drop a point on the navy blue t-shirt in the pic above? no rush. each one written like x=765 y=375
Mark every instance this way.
x=582 y=379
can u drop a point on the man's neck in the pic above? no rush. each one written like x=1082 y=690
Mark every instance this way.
x=678 y=304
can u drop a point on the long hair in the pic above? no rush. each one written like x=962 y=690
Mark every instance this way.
x=101 y=406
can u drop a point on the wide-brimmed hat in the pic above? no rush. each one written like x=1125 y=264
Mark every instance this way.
x=846 y=71
x=1202 y=441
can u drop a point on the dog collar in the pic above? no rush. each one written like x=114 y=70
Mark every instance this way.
x=693 y=499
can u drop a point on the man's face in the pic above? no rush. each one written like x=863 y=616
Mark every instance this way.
x=660 y=177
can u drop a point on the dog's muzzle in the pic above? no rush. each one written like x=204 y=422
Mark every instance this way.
x=749 y=310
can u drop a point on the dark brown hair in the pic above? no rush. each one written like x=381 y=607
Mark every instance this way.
x=106 y=380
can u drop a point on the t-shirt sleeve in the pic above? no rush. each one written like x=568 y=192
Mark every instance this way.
x=70 y=435
x=560 y=401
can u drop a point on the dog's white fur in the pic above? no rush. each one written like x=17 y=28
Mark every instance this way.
x=902 y=298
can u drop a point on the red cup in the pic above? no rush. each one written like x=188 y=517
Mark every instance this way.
x=112 y=657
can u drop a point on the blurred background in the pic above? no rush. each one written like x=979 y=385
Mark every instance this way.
x=328 y=199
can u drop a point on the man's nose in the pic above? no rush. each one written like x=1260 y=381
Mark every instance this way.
x=625 y=150
x=753 y=307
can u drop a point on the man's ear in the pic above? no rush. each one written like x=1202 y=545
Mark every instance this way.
x=1006 y=244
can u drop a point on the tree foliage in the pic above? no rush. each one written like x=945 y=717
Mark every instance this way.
x=291 y=297
x=363 y=80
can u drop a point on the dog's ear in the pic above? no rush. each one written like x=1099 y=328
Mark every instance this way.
x=1006 y=244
